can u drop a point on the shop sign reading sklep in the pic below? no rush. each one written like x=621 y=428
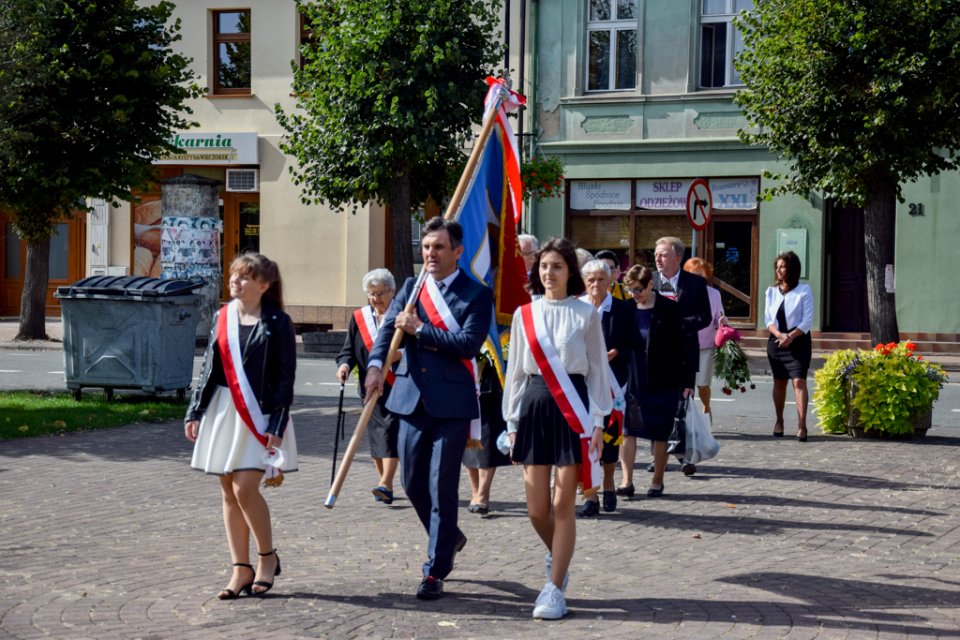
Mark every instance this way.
x=212 y=148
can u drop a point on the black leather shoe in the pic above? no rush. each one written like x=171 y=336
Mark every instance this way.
x=609 y=501
x=461 y=543
x=430 y=588
x=626 y=492
x=688 y=469
x=650 y=467
x=655 y=493
x=588 y=509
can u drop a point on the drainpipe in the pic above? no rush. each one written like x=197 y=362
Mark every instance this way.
x=532 y=103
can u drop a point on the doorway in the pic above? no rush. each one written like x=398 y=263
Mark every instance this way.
x=846 y=270
x=241 y=230
x=66 y=262
x=731 y=247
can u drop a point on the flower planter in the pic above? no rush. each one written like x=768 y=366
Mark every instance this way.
x=921 y=423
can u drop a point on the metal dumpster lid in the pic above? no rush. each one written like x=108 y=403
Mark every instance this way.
x=129 y=286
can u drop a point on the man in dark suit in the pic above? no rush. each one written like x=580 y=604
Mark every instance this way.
x=690 y=292
x=435 y=394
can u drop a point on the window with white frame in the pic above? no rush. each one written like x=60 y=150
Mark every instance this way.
x=612 y=45
x=720 y=42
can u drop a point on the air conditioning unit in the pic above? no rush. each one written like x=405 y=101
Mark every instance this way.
x=98 y=271
x=243 y=180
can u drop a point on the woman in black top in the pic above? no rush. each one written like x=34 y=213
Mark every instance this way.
x=227 y=444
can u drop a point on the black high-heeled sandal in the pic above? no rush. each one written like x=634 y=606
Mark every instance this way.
x=229 y=594
x=263 y=583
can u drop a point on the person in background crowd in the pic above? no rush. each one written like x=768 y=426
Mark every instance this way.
x=436 y=394
x=660 y=375
x=613 y=262
x=707 y=335
x=616 y=320
x=583 y=257
x=557 y=355
x=690 y=292
x=384 y=427
x=482 y=462
x=529 y=245
x=789 y=319
x=239 y=416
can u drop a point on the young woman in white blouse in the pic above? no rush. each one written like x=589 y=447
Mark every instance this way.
x=789 y=318
x=564 y=335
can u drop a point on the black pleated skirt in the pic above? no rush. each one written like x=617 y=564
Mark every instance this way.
x=543 y=434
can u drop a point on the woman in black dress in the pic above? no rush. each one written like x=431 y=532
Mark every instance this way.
x=789 y=318
x=482 y=463
x=659 y=374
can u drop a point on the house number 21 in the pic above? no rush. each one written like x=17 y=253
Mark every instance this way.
x=916 y=208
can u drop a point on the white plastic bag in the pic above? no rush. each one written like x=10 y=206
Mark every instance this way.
x=701 y=445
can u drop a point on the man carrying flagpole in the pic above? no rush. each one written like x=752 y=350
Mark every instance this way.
x=435 y=393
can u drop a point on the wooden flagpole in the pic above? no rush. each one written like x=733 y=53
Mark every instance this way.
x=451 y=214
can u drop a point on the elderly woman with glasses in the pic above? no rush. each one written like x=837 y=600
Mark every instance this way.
x=384 y=428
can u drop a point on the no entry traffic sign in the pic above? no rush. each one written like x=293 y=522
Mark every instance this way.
x=699 y=204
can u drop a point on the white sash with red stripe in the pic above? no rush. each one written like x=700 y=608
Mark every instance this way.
x=244 y=400
x=564 y=393
x=369 y=331
x=442 y=318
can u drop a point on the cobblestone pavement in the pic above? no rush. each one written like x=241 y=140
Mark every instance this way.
x=110 y=535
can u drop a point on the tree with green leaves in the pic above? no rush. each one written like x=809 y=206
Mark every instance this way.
x=857 y=97
x=91 y=92
x=386 y=99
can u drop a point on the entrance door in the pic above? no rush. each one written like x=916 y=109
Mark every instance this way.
x=846 y=270
x=241 y=230
x=66 y=263
x=731 y=246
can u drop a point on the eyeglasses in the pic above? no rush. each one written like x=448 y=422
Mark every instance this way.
x=378 y=294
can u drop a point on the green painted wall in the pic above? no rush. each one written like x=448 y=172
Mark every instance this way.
x=668 y=128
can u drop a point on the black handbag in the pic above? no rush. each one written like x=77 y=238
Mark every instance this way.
x=677 y=442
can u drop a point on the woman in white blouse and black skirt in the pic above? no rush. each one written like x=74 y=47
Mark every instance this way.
x=556 y=395
x=789 y=318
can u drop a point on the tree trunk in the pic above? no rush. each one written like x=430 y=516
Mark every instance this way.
x=402 y=242
x=33 y=300
x=879 y=224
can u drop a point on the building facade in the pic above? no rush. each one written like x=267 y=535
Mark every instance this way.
x=635 y=97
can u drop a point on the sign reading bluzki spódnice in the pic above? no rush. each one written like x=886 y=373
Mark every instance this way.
x=212 y=148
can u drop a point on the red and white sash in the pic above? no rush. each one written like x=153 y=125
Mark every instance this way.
x=564 y=393
x=442 y=318
x=228 y=341
x=368 y=333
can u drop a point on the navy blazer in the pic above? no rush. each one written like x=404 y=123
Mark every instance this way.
x=694 y=306
x=434 y=372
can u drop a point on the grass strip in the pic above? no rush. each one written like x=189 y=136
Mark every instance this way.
x=35 y=413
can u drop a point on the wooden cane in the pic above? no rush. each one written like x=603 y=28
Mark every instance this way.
x=452 y=212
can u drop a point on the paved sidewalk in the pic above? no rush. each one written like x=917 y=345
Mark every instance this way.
x=109 y=535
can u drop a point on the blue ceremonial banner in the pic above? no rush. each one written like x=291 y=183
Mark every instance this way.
x=491 y=254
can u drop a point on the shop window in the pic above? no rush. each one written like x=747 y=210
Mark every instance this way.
x=720 y=42
x=231 y=52
x=612 y=45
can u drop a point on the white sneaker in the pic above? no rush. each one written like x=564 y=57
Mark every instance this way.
x=548 y=562
x=550 y=604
